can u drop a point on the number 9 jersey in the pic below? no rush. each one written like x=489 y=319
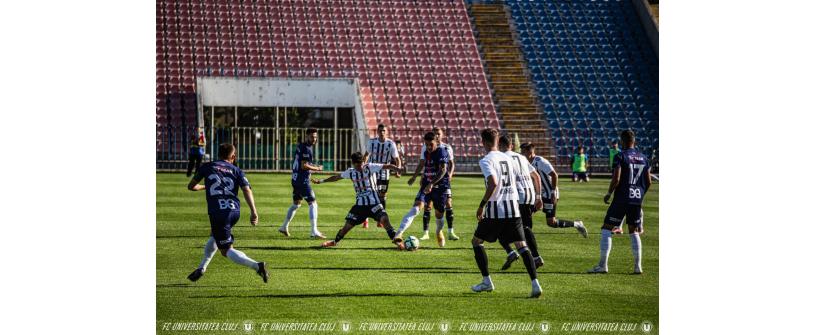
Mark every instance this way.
x=222 y=180
x=632 y=187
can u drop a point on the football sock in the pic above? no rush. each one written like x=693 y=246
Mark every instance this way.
x=408 y=218
x=531 y=241
x=391 y=233
x=636 y=249
x=529 y=262
x=481 y=260
x=564 y=223
x=384 y=200
x=426 y=219
x=487 y=280
x=506 y=246
x=209 y=251
x=240 y=258
x=439 y=224
x=339 y=236
x=312 y=215
x=448 y=212
x=605 y=247
x=289 y=215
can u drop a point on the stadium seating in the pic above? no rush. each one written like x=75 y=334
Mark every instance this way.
x=413 y=59
x=593 y=68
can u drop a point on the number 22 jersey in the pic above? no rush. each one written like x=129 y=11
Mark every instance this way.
x=222 y=181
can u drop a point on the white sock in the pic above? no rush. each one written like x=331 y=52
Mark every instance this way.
x=511 y=252
x=439 y=225
x=209 y=251
x=407 y=220
x=605 y=247
x=450 y=230
x=312 y=215
x=535 y=283
x=487 y=280
x=240 y=258
x=289 y=215
x=636 y=249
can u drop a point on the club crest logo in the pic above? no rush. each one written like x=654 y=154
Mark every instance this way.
x=346 y=326
x=646 y=326
x=248 y=325
x=544 y=327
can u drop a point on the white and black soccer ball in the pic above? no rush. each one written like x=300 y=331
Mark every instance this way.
x=411 y=243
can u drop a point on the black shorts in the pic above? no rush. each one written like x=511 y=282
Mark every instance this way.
x=526 y=215
x=359 y=213
x=382 y=185
x=549 y=208
x=579 y=175
x=221 y=227
x=617 y=211
x=490 y=230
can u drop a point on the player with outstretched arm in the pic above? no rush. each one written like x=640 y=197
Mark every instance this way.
x=220 y=180
x=435 y=187
x=368 y=204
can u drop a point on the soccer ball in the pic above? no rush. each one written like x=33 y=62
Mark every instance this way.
x=412 y=243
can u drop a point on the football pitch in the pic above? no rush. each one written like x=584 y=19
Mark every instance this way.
x=366 y=280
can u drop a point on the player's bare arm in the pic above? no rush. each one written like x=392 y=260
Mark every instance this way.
x=250 y=201
x=439 y=177
x=416 y=172
x=615 y=180
x=398 y=169
x=555 y=195
x=491 y=184
x=451 y=166
x=331 y=179
x=195 y=186
x=536 y=181
x=310 y=167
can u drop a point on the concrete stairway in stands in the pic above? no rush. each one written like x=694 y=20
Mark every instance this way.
x=505 y=68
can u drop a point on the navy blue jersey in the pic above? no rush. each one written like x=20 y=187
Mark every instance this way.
x=303 y=154
x=433 y=163
x=633 y=167
x=222 y=181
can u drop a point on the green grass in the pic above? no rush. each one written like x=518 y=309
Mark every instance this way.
x=366 y=280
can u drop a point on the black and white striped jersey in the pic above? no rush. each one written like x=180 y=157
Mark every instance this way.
x=503 y=203
x=364 y=183
x=544 y=168
x=526 y=188
x=382 y=153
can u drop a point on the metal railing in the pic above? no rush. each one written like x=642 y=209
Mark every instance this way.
x=272 y=149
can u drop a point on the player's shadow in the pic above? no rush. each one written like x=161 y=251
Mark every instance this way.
x=332 y=295
x=191 y=285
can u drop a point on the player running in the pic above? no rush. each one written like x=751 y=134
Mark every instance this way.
x=382 y=150
x=224 y=209
x=368 y=204
x=528 y=183
x=549 y=190
x=499 y=216
x=300 y=174
x=448 y=206
x=435 y=186
x=630 y=180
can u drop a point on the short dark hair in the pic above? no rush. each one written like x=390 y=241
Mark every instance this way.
x=503 y=141
x=488 y=135
x=429 y=136
x=356 y=157
x=310 y=131
x=579 y=147
x=397 y=142
x=627 y=136
x=436 y=129
x=225 y=150
x=380 y=126
x=527 y=146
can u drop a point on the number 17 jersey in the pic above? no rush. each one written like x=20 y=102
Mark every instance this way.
x=633 y=167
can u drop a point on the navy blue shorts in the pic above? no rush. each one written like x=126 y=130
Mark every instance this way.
x=618 y=211
x=221 y=227
x=438 y=197
x=303 y=192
